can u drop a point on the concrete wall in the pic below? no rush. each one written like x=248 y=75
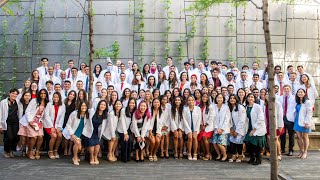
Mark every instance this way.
x=64 y=33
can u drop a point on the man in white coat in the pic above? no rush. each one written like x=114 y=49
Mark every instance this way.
x=43 y=70
x=74 y=78
x=120 y=87
x=288 y=101
x=50 y=76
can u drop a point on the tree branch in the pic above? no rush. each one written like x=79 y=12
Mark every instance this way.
x=84 y=10
x=3 y=2
x=258 y=7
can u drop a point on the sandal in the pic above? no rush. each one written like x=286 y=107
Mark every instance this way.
x=37 y=155
x=150 y=158
x=50 y=154
x=175 y=156
x=56 y=154
x=304 y=156
x=195 y=157
x=180 y=156
x=207 y=157
x=92 y=161
x=155 y=158
x=31 y=155
x=97 y=160
x=75 y=162
x=190 y=157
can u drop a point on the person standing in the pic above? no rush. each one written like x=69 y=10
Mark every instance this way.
x=9 y=123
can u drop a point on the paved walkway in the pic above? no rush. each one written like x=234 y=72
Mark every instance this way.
x=23 y=168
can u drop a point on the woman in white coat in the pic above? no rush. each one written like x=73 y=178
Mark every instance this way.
x=184 y=81
x=23 y=130
x=35 y=114
x=154 y=130
x=111 y=130
x=99 y=120
x=165 y=126
x=162 y=83
x=9 y=123
x=311 y=90
x=53 y=123
x=238 y=129
x=77 y=128
x=103 y=96
x=222 y=127
x=279 y=123
x=256 y=130
x=123 y=128
x=303 y=121
x=191 y=119
x=177 y=126
x=139 y=127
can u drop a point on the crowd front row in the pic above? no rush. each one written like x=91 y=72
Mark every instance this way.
x=143 y=126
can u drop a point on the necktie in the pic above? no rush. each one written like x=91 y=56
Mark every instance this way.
x=45 y=71
x=243 y=84
x=98 y=94
x=69 y=73
x=87 y=83
x=292 y=88
x=264 y=75
x=121 y=86
x=65 y=93
x=285 y=105
x=139 y=87
x=191 y=121
x=281 y=89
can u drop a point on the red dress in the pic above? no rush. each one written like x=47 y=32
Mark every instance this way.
x=204 y=133
x=56 y=108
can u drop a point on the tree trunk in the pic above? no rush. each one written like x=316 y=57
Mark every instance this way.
x=3 y=2
x=91 y=51
x=271 y=104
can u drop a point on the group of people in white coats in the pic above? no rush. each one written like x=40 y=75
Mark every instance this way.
x=197 y=111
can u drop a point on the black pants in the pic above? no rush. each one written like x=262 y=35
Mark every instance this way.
x=236 y=148
x=10 y=137
x=288 y=128
x=254 y=151
x=125 y=147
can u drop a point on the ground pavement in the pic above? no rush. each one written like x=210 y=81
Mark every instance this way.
x=23 y=168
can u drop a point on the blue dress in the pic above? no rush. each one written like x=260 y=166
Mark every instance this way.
x=94 y=140
x=79 y=130
x=296 y=126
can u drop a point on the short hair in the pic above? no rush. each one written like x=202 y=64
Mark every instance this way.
x=67 y=81
x=213 y=62
x=245 y=66
x=44 y=58
x=56 y=63
x=58 y=84
x=230 y=73
x=299 y=66
x=74 y=68
x=289 y=66
x=79 y=81
x=70 y=61
x=230 y=85
x=287 y=85
x=49 y=82
x=255 y=75
x=14 y=90
x=293 y=73
x=277 y=66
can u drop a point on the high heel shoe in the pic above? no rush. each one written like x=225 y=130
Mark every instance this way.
x=50 y=154
x=75 y=162
x=92 y=161
x=218 y=158
x=37 y=155
x=180 y=156
x=195 y=157
x=31 y=155
x=175 y=155
x=224 y=159
x=56 y=154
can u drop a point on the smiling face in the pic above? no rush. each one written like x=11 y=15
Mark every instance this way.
x=232 y=100
x=143 y=107
x=156 y=104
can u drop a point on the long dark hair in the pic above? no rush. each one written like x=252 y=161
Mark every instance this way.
x=127 y=110
x=79 y=109
x=46 y=100
x=60 y=98
x=67 y=99
x=207 y=80
x=105 y=112
x=152 y=108
x=304 y=99
x=174 y=82
x=202 y=104
x=94 y=70
x=84 y=97
x=123 y=97
x=174 y=107
x=245 y=96
x=237 y=103
x=114 y=108
x=250 y=94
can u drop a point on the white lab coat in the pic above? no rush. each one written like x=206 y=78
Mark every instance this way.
x=145 y=126
x=73 y=123
x=4 y=110
x=50 y=113
x=124 y=122
x=291 y=106
x=223 y=118
x=257 y=120
x=239 y=120
x=196 y=119
x=305 y=114
x=111 y=126
x=209 y=119
x=176 y=123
